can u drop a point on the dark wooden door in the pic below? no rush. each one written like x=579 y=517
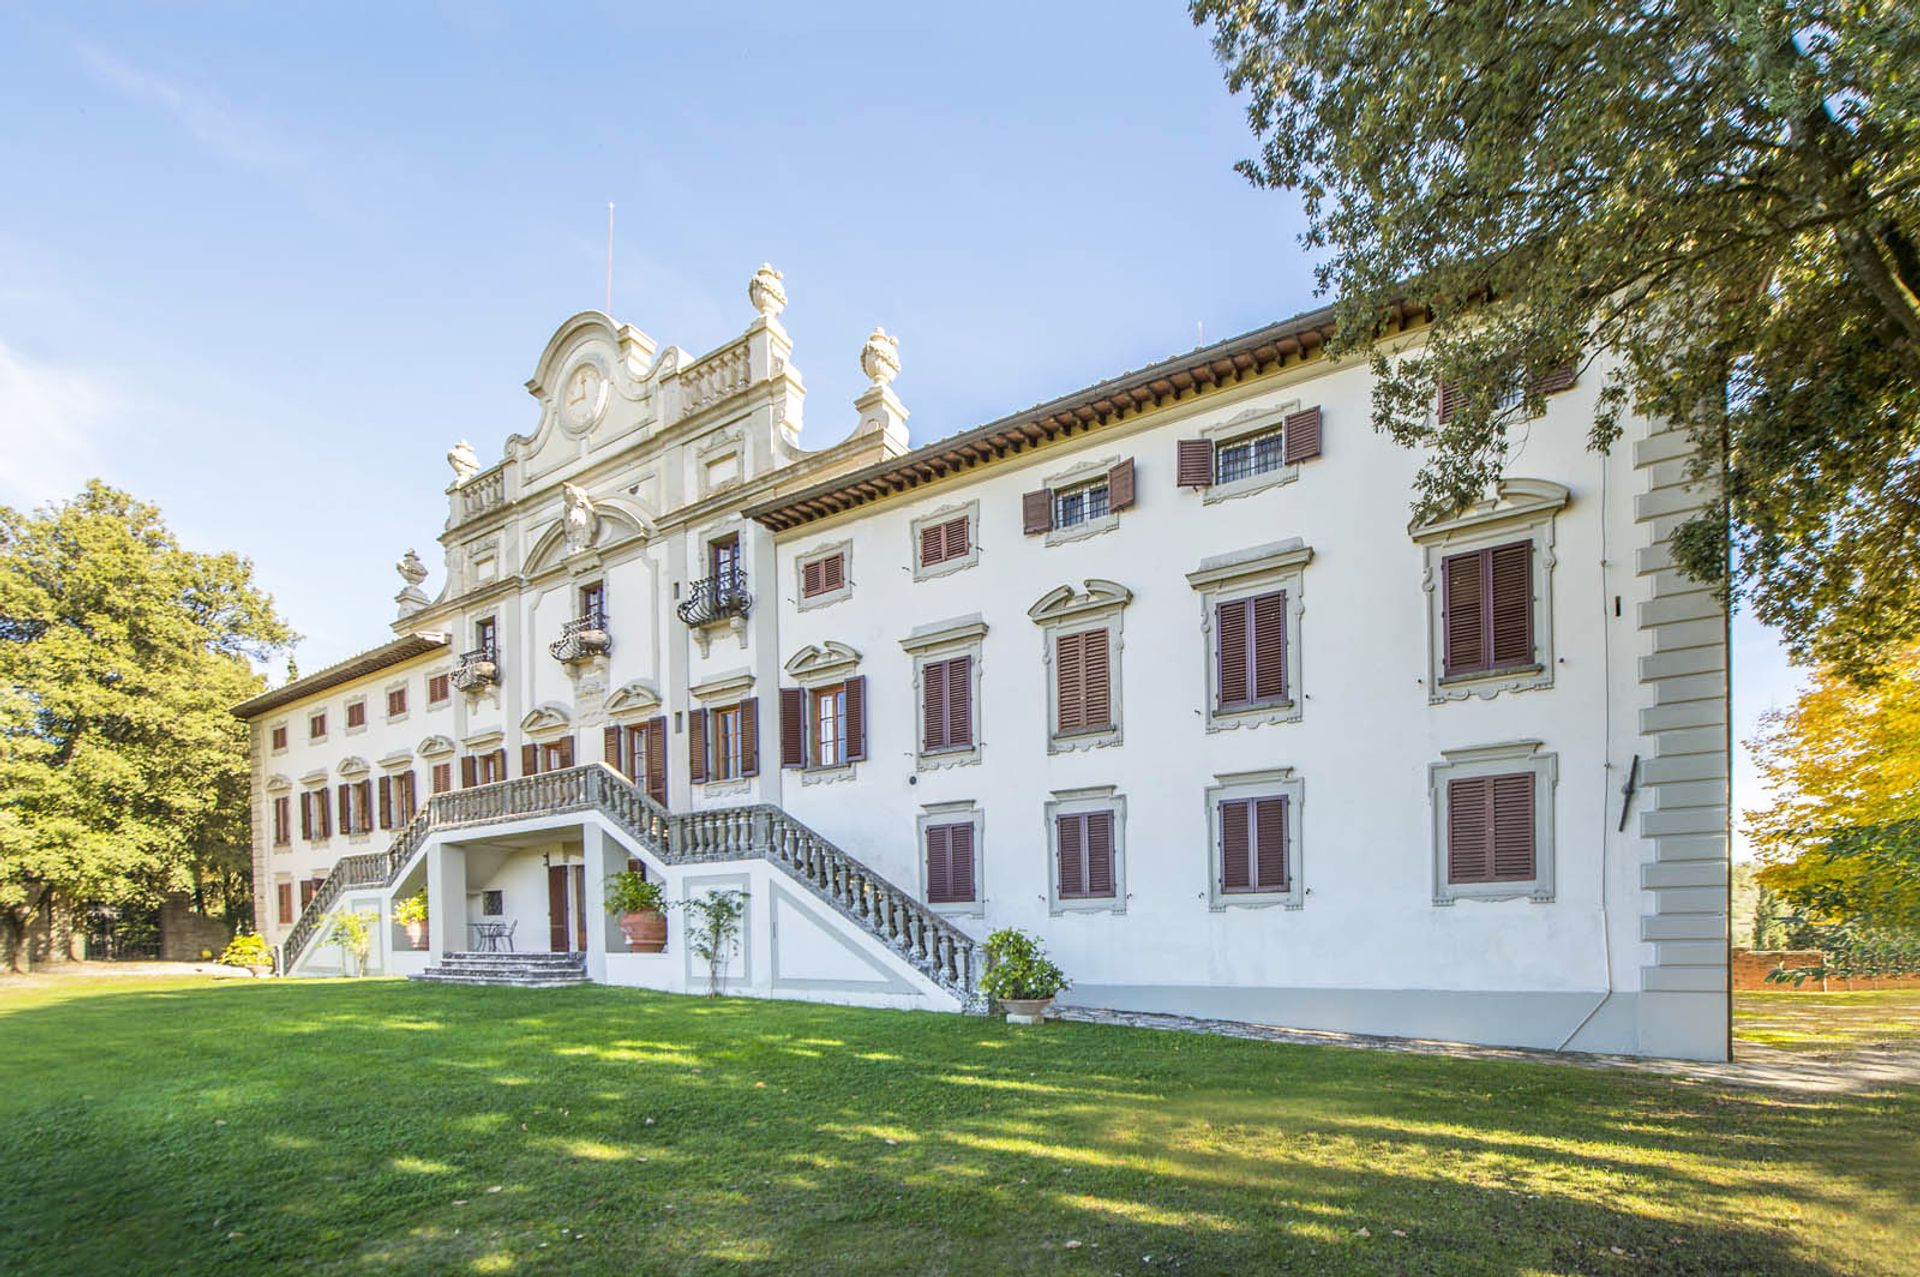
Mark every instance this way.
x=566 y=908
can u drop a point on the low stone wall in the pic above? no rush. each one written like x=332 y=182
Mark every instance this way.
x=184 y=933
x=1748 y=970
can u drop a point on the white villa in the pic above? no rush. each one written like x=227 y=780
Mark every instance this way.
x=1157 y=670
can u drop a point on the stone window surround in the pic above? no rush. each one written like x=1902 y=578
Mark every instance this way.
x=1084 y=473
x=1063 y=610
x=1496 y=760
x=398 y=685
x=365 y=718
x=326 y=726
x=962 y=812
x=1522 y=509
x=436 y=747
x=1240 y=574
x=432 y=704
x=1277 y=782
x=816 y=666
x=826 y=551
x=316 y=782
x=281 y=724
x=1251 y=421
x=971 y=509
x=1073 y=802
x=939 y=641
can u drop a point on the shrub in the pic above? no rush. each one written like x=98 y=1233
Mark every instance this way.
x=247 y=950
x=630 y=891
x=412 y=909
x=1018 y=968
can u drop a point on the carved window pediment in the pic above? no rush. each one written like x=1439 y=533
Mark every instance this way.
x=1514 y=501
x=546 y=719
x=1064 y=603
x=822 y=660
x=637 y=697
x=435 y=746
x=279 y=783
x=353 y=765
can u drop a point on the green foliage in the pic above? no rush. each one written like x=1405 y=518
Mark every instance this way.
x=714 y=923
x=351 y=931
x=411 y=909
x=1017 y=967
x=1854 y=951
x=1720 y=196
x=247 y=949
x=631 y=891
x=122 y=774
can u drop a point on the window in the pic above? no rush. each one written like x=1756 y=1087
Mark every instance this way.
x=397 y=801
x=439 y=689
x=639 y=752
x=944 y=540
x=723 y=556
x=1247 y=456
x=940 y=542
x=356 y=714
x=1250 y=650
x=1487 y=606
x=728 y=763
x=1083 y=845
x=1254 y=822
x=828 y=718
x=356 y=803
x=1251 y=605
x=316 y=727
x=823 y=575
x=316 y=815
x=950 y=863
x=486 y=635
x=593 y=603
x=282 y=821
x=396 y=702
x=723 y=744
x=309 y=888
x=283 y=902
x=483 y=769
x=1513 y=394
x=1493 y=823
x=946 y=704
x=1083 y=697
x=442 y=777
x=493 y=903
x=279 y=737
x=1080 y=504
x=546 y=756
x=1252 y=452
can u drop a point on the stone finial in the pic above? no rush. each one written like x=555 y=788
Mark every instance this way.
x=766 y=292
x=411 y=597
x=880 y=358
x=580 y=521
x=464 y=460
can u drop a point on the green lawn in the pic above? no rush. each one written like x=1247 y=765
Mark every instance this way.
x=1823 y=1022
x=386 y=1127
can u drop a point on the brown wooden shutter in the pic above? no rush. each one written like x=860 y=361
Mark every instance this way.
x=933 y=545
x=856 y=718
x=960 y=701
x=558 y=941
x=1070 y=835
x=939 y=856
x=364 y=823
x=697 y=746
x=1193 y=463
x=1463 y=612
x=793 y=727
x=1236 y=860
x=1270 y=647
x=1099 y=853
x=284 y=894
x=750 y=736
x=1510 y=581
x=610 y=748
x=1554 y=380
x=1231 y=624
x=833 y=573
x=500 y=763
x=1300 y=441
x=386 y=802
x=1511 y=854
x=1270 y=843
x=960 y=861
x=469 y=772
x=529 y=760
x=811 y=576
x=933 y=706
x=959 y=537
x=1070 y=682
x=306 y=815
x=345 y=799
x=1036 y=512
x=1469 y=829
x=566 y=751
x=411 y=805
x=1449 y=400
x=657 y=759
x=1099 y=686
x=1120 y=485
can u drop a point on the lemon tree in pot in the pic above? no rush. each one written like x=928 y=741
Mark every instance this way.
x=642 y=909
x=1020 y=976
x=411 y=914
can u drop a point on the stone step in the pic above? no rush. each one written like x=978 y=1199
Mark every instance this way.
x=500 y=980
x=519 y=970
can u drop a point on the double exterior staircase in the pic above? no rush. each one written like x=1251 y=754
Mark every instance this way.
x=922 y=938
x=523 y=970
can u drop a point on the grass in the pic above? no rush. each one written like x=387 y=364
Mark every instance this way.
x=376 y=1126
x=1825 y=1022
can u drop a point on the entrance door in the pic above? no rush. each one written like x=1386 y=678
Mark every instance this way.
x=566 y=908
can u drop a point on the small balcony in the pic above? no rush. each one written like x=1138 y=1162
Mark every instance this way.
x=582 y=639
x=721 y=597
x=478 y=668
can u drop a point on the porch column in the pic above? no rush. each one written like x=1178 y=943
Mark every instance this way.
x=604 y=857
x=446 y=899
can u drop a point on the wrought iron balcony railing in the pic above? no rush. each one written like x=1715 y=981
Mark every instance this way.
x=478 y=668
x=581 y=639
x=717 y=598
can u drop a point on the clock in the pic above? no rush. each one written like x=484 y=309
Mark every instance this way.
x=583 y=395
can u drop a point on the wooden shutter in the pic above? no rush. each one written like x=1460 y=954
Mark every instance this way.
x=1231 y=620
x=306 y=815
x=1469 y=830
x=960 y=701
x=811 y=576
x=345 y=799
x=833 y=572
x=1449 y=400
x=1193 y=463
x=1236 y=859
x=958 y=537
x=499 y=769
x=793 y=727
x=1036 y=512
x=442 y=779
x=1463 y=612
x=1099 y=853
x=1510 y=586
x=697 y=746
x=1070 y=682
x=856 y=742
x=1270 y=647
x=1300 y=440
x=558 y=940
x=529 y=760
x=750 y=736
x=1511 y=839
x=933 y=706
x=410 y=796
x=933 y=545
x=610 y=750
x=1270 y=843
x=1554 y=380
x=1120 y=485
x=1070 y=837
x=656 y=732
x=566 y=751
x=386 y=802
x=364 y=814
x=1094 y=662
x=939 y=856
x=960 y=861
x=469 y=772
x=284 y=893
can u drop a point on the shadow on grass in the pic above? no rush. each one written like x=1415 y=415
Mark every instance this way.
x=392 y=1126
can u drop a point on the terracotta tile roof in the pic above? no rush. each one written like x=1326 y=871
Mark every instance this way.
x=367 y=662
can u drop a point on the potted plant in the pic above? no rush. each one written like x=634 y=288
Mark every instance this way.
x=250 y=951
x=642 y=909
x=411 y=914
x=1020 y=976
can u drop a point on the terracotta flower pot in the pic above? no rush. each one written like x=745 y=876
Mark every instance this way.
x=1026 y=1010
x=417 y=934
x=646 y=932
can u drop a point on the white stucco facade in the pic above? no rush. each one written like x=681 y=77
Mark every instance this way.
x=1615 y=941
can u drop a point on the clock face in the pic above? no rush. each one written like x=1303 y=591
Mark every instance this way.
x=583 y=396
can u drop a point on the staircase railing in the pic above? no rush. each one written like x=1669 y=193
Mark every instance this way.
x=932 y=945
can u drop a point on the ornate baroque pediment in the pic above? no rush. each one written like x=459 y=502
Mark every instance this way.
x=1513 y=500
x=353 y=765
x=550 y=717
x=1064 y=602
x=435 y=746
x=636 y=697
x=820 y=660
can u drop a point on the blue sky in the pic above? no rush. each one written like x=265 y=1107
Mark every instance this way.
x=262 y=264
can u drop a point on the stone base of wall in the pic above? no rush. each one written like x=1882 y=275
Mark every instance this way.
x=184 y=934
x=1750 y=966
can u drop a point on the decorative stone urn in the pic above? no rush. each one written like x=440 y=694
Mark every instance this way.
x=1026 y=1010
x=646 y=931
